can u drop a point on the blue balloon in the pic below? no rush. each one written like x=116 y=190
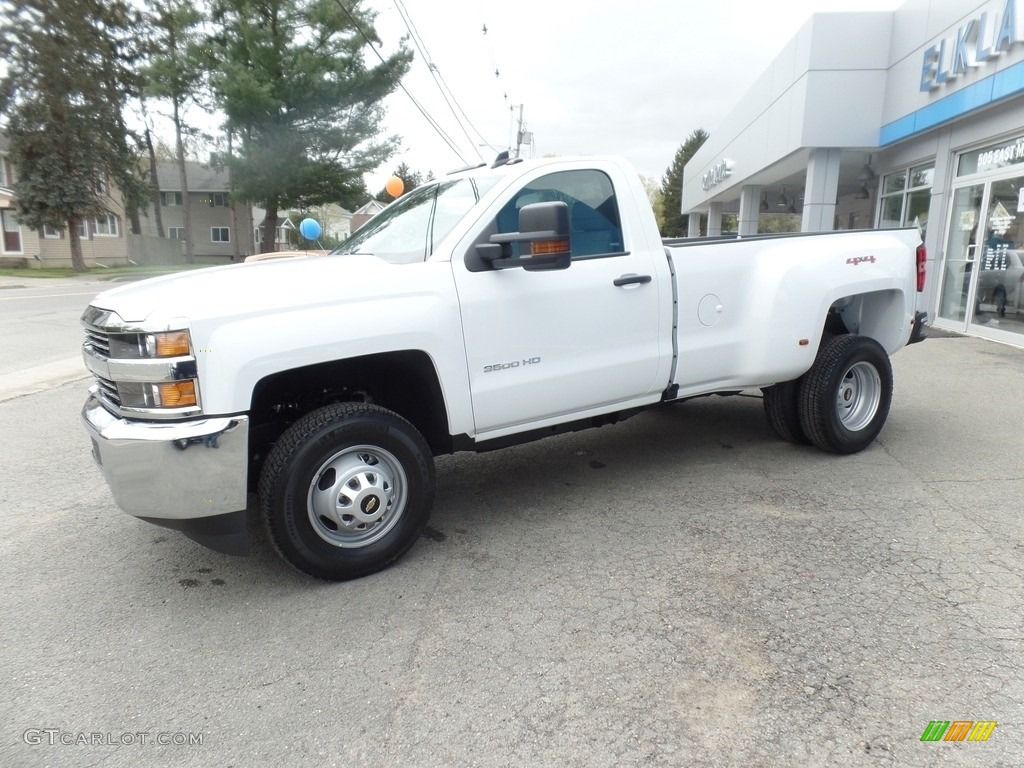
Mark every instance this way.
x=309 y=229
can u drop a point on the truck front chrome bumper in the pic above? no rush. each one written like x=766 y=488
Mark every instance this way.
x=176 y=474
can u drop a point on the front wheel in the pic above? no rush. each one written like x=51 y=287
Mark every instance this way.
x=845 y=396
x=347 y=490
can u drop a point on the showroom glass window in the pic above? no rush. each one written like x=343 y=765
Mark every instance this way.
x=906 y=196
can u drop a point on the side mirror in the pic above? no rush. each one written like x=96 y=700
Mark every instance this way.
x=543 y=238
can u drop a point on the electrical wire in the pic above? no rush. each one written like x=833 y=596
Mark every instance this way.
x=433 y=123
x=442 y=86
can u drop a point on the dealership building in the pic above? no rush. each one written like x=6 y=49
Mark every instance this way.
x=889 y=119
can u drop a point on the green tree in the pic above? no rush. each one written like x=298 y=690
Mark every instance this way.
x=778 y=222
x=675 y=223
x=291 y=77
x=175 y=72
x=70 y=70
x=657 y=199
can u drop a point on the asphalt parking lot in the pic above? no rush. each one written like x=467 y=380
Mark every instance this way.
x=682 y=589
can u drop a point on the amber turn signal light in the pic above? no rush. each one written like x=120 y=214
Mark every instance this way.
x=178 y=394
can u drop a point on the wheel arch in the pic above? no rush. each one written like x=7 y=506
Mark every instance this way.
x=879 y=315
x=405 y=382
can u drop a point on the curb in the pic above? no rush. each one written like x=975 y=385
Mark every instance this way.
x=41 y=378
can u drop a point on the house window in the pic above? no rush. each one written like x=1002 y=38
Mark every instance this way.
x=176 y=233
x=101 y=184
x=905 y=198
x=12 y=231
x=83 y=229
x=106 y=226
x=220 y=235
x=52 y=233
x=171 y=198
x=3 y=171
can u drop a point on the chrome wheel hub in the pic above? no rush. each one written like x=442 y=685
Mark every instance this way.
x=357 y=496
x=860 y=392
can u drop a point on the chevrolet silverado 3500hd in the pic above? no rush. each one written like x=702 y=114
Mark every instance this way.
x=490 y=307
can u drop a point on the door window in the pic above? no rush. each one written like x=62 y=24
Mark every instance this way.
x=593 y=211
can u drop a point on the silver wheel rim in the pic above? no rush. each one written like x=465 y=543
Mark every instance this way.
x=860 y=392
x=357 y=496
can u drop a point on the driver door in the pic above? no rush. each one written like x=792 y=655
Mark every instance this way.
x=549 y=346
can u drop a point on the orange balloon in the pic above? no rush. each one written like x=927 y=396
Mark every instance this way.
x=394 y=186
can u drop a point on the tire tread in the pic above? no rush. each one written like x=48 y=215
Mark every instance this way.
x=294 y=438
x=817 y=400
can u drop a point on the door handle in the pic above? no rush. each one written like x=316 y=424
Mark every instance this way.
x=631 y=280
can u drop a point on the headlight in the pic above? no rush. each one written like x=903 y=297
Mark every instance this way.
x=141 y=346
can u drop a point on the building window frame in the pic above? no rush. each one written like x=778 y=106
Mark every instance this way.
x=106 y=226
x=170 y=199
x=908 y=193
x=52 y=233
x=220 y=234
x=11 y=232
x=176 y=233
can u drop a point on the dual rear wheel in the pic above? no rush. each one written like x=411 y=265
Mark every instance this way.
x=841 y=404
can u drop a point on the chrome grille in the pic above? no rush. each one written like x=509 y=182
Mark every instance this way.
x=108 y=391
x=98 y=340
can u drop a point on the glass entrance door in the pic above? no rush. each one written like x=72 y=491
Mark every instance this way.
x=961 y=254
x=999 y=279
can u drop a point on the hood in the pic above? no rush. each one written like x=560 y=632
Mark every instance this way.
x=259 y=288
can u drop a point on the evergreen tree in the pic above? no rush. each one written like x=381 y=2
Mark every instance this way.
x=70 y=70
x=675 y=223
x=291 y=77
x=175 y=72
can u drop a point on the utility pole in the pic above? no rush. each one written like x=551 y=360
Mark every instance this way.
x=519 y=132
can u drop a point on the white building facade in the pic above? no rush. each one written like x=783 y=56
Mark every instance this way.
x=888 y=119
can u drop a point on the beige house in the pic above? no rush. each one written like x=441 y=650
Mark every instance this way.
x=104 y=242
x=221 y=229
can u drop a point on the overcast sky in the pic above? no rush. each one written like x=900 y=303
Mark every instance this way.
x=594 y=76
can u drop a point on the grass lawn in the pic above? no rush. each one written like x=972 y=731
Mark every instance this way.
x=108 y=273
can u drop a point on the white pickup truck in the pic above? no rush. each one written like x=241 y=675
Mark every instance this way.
x=494 y=306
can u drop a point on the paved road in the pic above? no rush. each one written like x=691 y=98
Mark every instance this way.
x=40 y=338
x=681 y=589
x=39 y=322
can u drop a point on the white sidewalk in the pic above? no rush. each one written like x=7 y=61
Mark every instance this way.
x=41 y=377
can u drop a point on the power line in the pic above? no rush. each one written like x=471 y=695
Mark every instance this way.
x=433 y=123
x=442 y=86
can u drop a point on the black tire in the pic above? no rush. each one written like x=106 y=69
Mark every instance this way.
x=347 y=490
x=781 y=406
x=845 y=396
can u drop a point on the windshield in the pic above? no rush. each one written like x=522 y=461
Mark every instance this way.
x=411 y=228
